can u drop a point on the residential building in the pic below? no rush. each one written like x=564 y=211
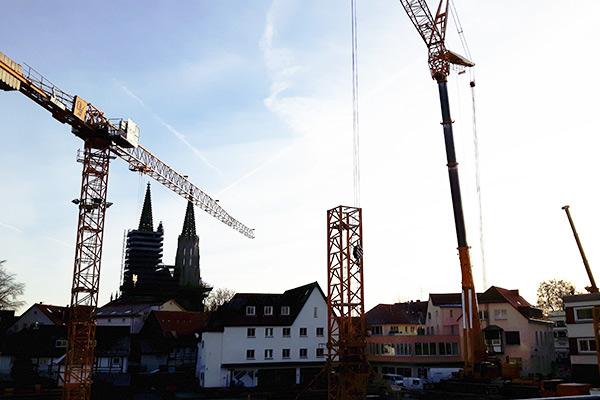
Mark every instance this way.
x=397 y=319
x=168 y=342
x=514 y=332
x=582 y=342
x=561 y=343
x=397 y=343
x=45 y=346
x=127 y=312
x=40 y=314
x=265 y=339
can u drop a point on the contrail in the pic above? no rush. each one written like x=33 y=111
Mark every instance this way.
x=11 y=227
x=256 y=169
x=180 y=136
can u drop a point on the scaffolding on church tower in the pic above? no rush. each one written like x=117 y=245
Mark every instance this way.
x=347 y=367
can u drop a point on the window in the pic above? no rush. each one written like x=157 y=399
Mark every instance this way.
x=512 y=337
x=586 y=345
x=320 y=352
x=393 y=330
x=61 y=343
x=483 y=315
x=320 y=331
x=303 y=353
x=250 y=310
x=500 y=314
x=250 y=354
x=286 y=332
x=377 y=330
x=428 y=315
x=116 y=361
x=285 y=310
x=315 y=315
x=451 y=313
x=302 y=331
x=251 y=332
x=268 y=354
x=285 y=353
x=583 y=314
x=432 y=348
x=268 y=332
x=268 y=310
x=418 y=349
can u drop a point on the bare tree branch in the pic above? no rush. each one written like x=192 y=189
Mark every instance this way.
x=10 y=289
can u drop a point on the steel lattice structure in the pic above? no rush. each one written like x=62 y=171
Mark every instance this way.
x=102 y=137
x=346 y=361
x=86 y=273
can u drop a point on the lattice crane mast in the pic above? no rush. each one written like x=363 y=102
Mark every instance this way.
x=433 y=32
x=104 y=139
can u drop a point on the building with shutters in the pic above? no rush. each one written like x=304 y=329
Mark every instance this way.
x=580 y=330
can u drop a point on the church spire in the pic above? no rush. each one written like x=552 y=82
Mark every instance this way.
x=146 y=218
x=189 y=223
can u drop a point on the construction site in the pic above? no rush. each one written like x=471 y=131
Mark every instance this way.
x=319 y=253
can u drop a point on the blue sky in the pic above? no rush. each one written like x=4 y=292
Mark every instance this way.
x=252 y=100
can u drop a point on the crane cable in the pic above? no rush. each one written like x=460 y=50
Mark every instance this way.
x=355 y=131
x=463 y=40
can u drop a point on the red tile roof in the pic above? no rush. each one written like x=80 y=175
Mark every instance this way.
x=180 y=323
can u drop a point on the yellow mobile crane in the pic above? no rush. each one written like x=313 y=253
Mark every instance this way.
x=103 y=139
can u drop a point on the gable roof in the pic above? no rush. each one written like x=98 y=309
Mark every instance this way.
x=233 y=313
x=500 y=295
x=412 y=312
x=494 y=294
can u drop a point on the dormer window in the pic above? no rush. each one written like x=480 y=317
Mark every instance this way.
x=285 y=310
x=250 y=310
x=268 y=310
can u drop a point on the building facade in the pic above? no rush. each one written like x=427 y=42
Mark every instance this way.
x=265 y=339
x=580 y=331
x=514 y=332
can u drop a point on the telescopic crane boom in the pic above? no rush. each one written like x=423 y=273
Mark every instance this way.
x=433 y=32
x=592 y=288
x=104 y=139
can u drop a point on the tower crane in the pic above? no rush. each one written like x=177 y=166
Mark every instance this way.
x=432 y=30
x=592 y=288
x=104 y=139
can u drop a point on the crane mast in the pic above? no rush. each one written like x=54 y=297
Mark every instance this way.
x=592 y=288
x=104 y=139
x=432 y=30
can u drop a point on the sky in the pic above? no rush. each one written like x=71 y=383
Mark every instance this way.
x=253 y=100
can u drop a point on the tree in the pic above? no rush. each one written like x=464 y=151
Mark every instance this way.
x=218 y=297
x=551 y=292
x=10 y=289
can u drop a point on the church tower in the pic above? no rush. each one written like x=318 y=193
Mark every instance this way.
x=187 y=260
x=143 y=253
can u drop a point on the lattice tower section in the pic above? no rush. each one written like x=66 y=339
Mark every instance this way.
x=86 y=275
x=347 y=363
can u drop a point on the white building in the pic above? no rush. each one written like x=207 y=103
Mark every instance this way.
x=265 y=339
x=582 y=343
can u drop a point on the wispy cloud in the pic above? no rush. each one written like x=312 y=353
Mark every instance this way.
x=11 y=227
x=175 y=132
